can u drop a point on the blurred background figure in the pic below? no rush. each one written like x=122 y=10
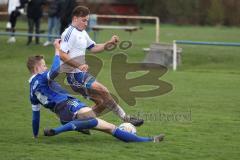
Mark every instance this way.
x=54 y=9
x=92 y=22
x=15 y=9
x=34 y=14
x=67 y=7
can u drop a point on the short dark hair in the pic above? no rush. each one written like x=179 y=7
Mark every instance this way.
x=80 y=11
x=32 y=61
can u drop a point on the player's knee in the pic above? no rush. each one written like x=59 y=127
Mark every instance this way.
x=100 y=88
x=85 y=113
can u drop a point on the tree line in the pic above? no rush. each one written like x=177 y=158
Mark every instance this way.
x=198 y=12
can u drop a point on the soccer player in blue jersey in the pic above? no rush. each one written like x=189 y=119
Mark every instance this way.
x=73 y=114
x=75 y=41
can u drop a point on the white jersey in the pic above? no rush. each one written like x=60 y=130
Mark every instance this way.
x=12 y=5
x=75 y=42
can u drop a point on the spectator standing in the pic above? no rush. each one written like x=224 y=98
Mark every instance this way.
x=34 y=14
x=53 y=20
x=67 y=7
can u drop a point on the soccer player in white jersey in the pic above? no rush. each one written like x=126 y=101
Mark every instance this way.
x=74 y=42
x=73 y=114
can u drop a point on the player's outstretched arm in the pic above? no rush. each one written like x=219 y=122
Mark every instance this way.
x=100 y=47
x=56 y=61
x=66 y=59
x=35 y=119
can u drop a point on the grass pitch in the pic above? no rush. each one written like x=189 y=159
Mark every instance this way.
x=205 y=98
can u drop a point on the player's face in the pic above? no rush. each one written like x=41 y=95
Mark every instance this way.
x=81 y=22
x=41 y=66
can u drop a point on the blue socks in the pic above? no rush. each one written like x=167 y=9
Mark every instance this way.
x=77 y=125
x=129 y=137
x=92 y=122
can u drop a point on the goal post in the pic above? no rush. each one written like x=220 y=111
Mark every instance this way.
x=157 y=21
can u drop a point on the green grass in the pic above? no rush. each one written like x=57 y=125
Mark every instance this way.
x=206 y=86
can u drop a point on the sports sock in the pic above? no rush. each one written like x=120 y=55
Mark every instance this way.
x=114 y=107
x=118 y=111
x=77 y=125
x=129 y=137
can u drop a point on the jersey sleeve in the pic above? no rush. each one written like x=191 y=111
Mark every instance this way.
x=90 y=42
x=35 y=119
x=67 y=41
x=33 y=99
x=55 y=68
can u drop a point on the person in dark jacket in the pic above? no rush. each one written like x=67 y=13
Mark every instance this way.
x=54 y=9
x=34 y=14
x=67 y=7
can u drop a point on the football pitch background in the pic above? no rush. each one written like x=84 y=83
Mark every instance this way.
x=200 y=116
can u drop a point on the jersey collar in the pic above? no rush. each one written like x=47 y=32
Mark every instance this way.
x=31 y=78
x=76 y=28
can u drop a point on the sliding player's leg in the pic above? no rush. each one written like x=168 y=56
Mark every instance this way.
x=87 y=113
x=71 y=110
x=84 y=113
x=123 y=135
x=75 y=116
x=75 y=125
x=101 y=125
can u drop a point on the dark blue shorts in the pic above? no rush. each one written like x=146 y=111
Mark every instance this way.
x=66 y=110
x=80 y=82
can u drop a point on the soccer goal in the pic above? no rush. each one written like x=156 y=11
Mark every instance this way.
x=121 y=22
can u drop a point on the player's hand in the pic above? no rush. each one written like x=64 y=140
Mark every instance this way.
x=57 y=46
x=114 y=39
x=83 y=67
